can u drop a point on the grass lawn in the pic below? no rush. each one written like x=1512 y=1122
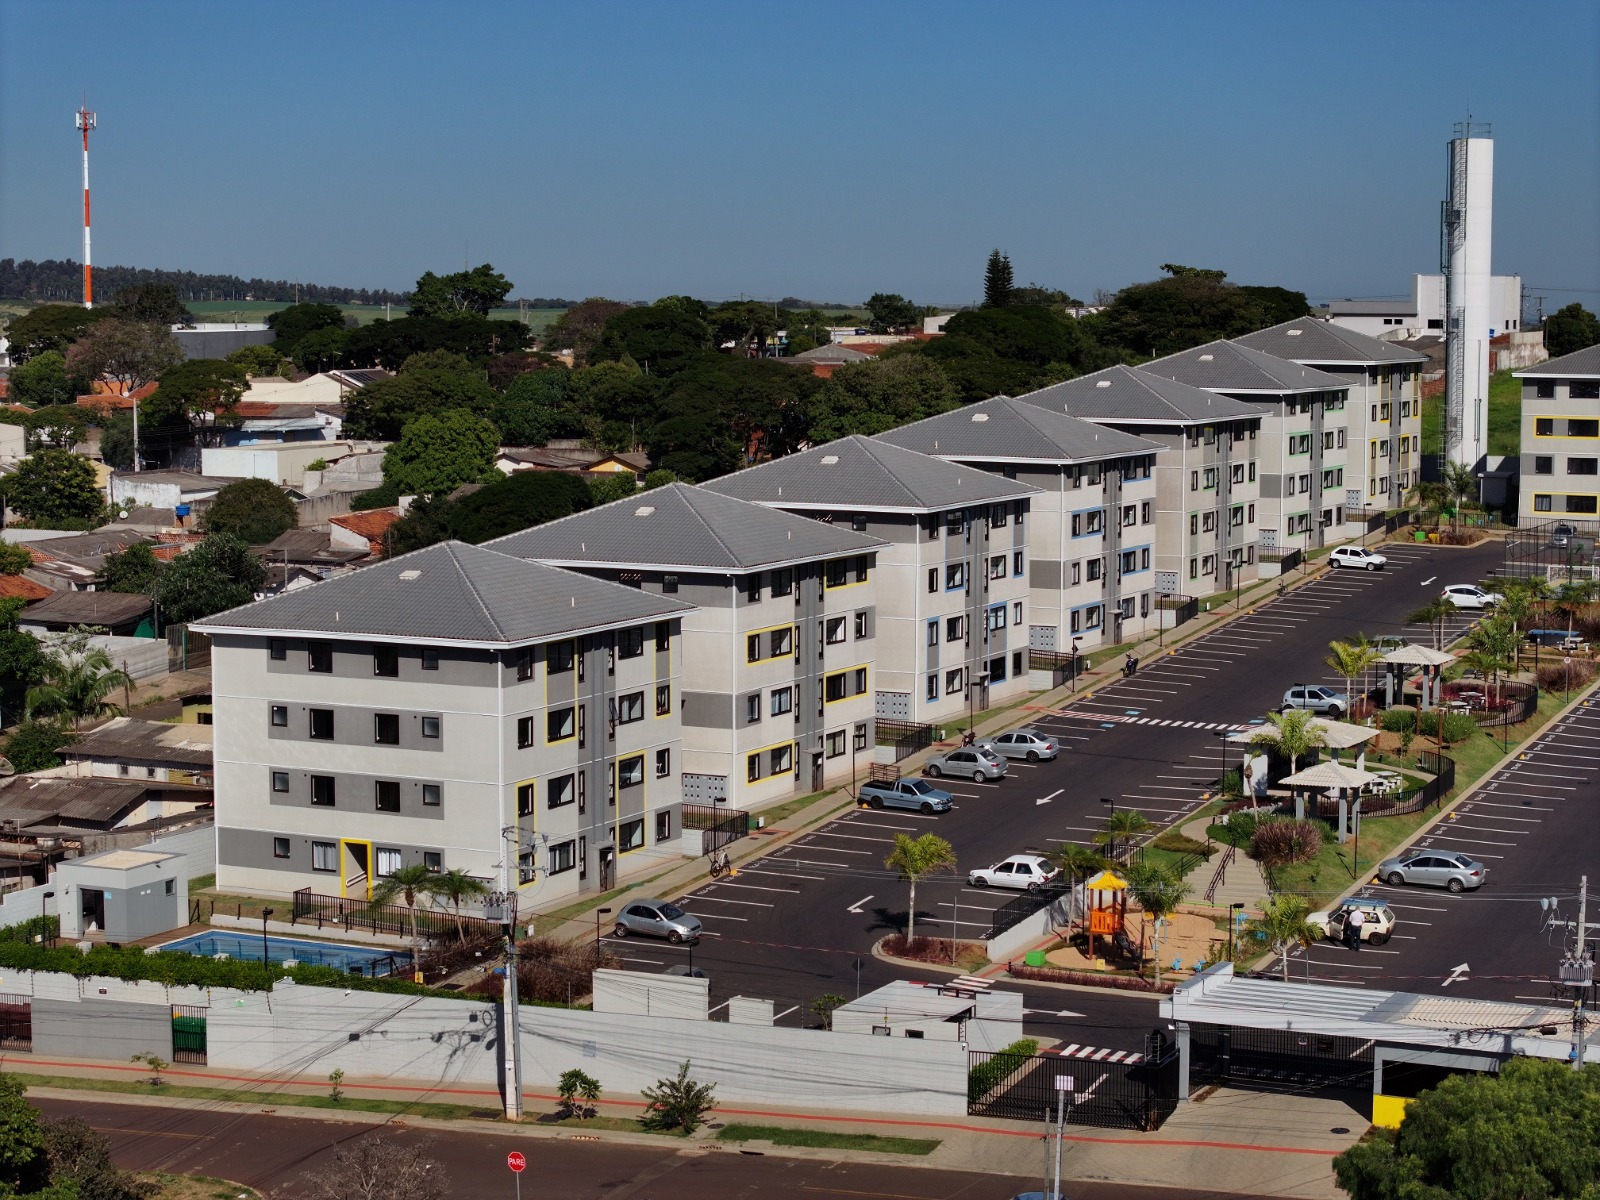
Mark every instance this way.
x=780 y=812
x=614 y=1124
x=780 y=1136
x=1505 y=417
x=196 y=1187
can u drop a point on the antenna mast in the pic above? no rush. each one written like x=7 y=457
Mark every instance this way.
x=86 y=123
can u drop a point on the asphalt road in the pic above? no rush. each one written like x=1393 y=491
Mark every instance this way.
x=795 y=925
x=278 y=1155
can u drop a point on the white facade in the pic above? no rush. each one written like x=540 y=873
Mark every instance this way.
x=278 y=462
x=1469 y=230
x=1423 y=313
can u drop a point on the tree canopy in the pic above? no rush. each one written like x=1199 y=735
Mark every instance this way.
x=1189 y=308
x=390 y=343
x=998 y=281
x=428 y=383
x=197 y=391
x=463 y=293
x=134 y=570
x=157 y=302
x=54 y=489
x=259 y=361
x=48 y=327
x=579 y=328
x=61 y=426
x=888 y=312
x=130 y=353
x=872 y=397
x=218 y=574
x=22 y=661
x=438 y=453
x=44 y=382
x=291 y=324
x=519 y=501
x=663 y=340
x=1570 y=329
x=256 y=510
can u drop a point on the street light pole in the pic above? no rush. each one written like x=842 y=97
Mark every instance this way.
x=265 y=913
x=1234 y=910
x=598 y=913
x=44 y=920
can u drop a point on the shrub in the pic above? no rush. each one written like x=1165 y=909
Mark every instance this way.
x=1458 y=727
x=987 y=1075
x=578 y=1093
x=677 y=1103
x=1398 y=720
x=32 y=745
x=1554 y=677
x=1179 y=842
x=1125 y=983
x=557 y=972
x=1238 y=828
x=1277 y=842
x=930 y=950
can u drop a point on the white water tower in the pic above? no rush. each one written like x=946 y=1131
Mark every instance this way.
x=1466 y=243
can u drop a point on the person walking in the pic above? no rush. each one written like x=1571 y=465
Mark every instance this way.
x=1352 y=928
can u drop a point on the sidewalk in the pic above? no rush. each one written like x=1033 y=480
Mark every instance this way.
x=1243 y=882
x=1259 y=1144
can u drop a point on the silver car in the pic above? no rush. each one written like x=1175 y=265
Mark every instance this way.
x=1318 y=699
x=658 y=918
x=977 y=763
x=1028 y=744
x=1435 y=868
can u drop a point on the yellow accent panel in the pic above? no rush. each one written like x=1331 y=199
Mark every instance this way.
x=1389 y=1111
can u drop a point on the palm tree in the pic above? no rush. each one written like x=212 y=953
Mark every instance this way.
x=915 y=857
x=1350 y=659
x=1121 y=828
x=1494 y=646
x=455 y=886
x=1428 y=494
x=1159 y=890
x=1080 y=862
x=78 y=680
x=408 y=884
x=1459 y=482
x=1283 y=926
x=1432 y=614
x=1291 y=734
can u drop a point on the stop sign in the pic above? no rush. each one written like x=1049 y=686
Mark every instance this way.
x=516 y=1162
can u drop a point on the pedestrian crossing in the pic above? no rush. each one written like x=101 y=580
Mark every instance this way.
x=1095 y=1054
x=1083 y=714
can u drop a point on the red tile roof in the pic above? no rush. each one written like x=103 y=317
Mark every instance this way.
x=12 y=586
x=372 y=524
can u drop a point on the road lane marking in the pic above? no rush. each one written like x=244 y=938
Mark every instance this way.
x=780 y=874
x=856 y=907
x=725 y=900
x=1050 y=797
x=1427 y=581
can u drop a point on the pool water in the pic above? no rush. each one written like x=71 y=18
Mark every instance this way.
x=353 y=960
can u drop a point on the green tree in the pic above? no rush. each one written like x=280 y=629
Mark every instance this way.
x=1191 y=307
x=504 y=369
x=407 y=885
x=43 y=382
x=1459 y=482
x=1292 y=734
x=321 y=349
x=913 y=858
x=455 y=887
x=748 y=324
x=22 y=661
x=260 y=362
x=426 y=523
x=291 y=324
x=1532 y=1129
x=1432 y=614
x=390 y=343
x=48 y=327
x=463 y=293
x=1158 y=889
x=517 y=502
x=14 y=558
x=127 y=353
x=579 y=328
x=1493 y=645
x=199 y=392
x=116 y=441
x=218 y=574
x=998 y=282
x=133 y=571
x=619 y=486
x=872 y=397
x=888 y=312
x=578 y=1093
x=806 y=330
x=430 y=383
x=79 y=680
x=1570 y=329
x=1282 y=925
x=157 y=303
x=256 y=510
x=53 y=488
x=677 y=1103
x=1120 y=829
x=1349 y=659
x=24 y=1164
x=32 y=745
x=81 y=1167
x=658 y=478
x=661 y=340
x=533 y=409
x=60 y=427
x=437 y=454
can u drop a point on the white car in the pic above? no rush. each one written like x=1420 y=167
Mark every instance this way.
x=1025 y=872
x=1357 y=557
x=1377 y=920
x=1470 y=595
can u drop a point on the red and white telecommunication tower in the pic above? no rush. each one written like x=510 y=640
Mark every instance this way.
x=86 y=123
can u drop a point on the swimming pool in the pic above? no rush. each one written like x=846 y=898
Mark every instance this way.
x=353 y=960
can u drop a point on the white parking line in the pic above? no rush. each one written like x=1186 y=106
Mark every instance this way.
x=725 y=900
x=752 y=887
x=852 y=836
x=779 y=874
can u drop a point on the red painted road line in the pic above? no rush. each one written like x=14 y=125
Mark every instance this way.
x=737 y=1112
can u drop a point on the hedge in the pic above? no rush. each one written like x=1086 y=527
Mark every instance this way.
x=984 y=1077
x=1458 y=727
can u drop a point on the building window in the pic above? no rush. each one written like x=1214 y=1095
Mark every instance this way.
x=955 y=576
x=560 y=791
x=1094 y=616
x=834 y=744
x=781 y=642
x=277 y=649
x=433 y=860
x=997 y=617
x=631 y=835
x=952 y=681
x=525 y=663
x=1077 y=574
x=430 y=659
x=1582 y=391
x=663 y=636
x=1016 y=612
x=560 y=724
x=524 y=732
x=752 y=767
x=752 y=708
x=1016 y=662
x=389 y=862
x=630 y=708
x=781 y=758
x=669 y=584
x=861 y=625
x=1581 y=504
x=1581 y=466
x=858 y=736
x=834 y=631
x=322 y=724
x=280 y=849
x=324 y=856
x=782 y=701
x=319 y=657
x=322 y=790
x=933 y=632
x=1541 y=503
x=954 y=522
x=524 y=799
x=386 y=793
x=279 y=716
x=997 y=566
x=663 y=763
x=664 y=826
x=280 y=781
x=997 y=516
x=954 y=628
x=933 y=687
x=430 y=727
x=386 y=729
x=997 y=669
x=630 y=771
x=933 y=579
x=432 y=794
x=630 y=642
x=783 y=582
x=836 y=573
x=559 y=657
x=663 y=699
x=1095 y=569
x=753 y=588
x=386 y=662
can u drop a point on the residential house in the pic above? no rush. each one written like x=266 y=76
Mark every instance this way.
x=569 y=456
x=779 y=656
x=1384 y=411
x=362 y=531
x=823 y=361
x=1091 y=530
x=1206 y=486
x=952 y=585
x=151 y=751
x=1303 y=440
x=453 y=708
x=1560 y=465
x=184 y=491
x=120 y=614
x=59 y=804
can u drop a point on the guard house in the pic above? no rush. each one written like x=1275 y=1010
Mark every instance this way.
x=962 y=1010
x=123 y=895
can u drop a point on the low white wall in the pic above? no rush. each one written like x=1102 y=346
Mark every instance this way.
x=1035 y=928
x=142 y=658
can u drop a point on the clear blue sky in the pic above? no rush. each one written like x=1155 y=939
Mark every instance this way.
x=820 y=150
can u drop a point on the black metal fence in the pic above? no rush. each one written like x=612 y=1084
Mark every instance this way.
x=1410 y=800
x=1016 y=910
x=1109 y=1095
x=188 y=1034
x=353 y=914
x=1522 y=700
x=1269 y=1058
x=16 y=1022
x=906 y=737
x=1182 y=608
x=718 y=826
x=1064 y=666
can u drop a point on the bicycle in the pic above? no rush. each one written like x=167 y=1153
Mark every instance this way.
x=719 y=864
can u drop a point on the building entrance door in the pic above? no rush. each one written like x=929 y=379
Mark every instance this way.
x=607 y=859
x=355 y=878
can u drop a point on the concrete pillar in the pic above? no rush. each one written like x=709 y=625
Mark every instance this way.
x=1343 y=832
x=1299 y=804
x=1183 y=1062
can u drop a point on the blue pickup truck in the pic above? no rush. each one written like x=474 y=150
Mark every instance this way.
x=917 y=794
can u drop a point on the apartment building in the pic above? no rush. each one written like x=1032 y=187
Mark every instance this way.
x=454 y=707
x=1091 y=530
x=780 y=652
x=1384 y=410
x=1560 y=465
x=1207 y=487
x=952 y=581
x=1303 y=442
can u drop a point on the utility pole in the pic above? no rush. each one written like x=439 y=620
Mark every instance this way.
x=502 y=906
x=1577 y=973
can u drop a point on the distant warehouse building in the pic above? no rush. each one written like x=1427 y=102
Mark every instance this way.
x=218 y=340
